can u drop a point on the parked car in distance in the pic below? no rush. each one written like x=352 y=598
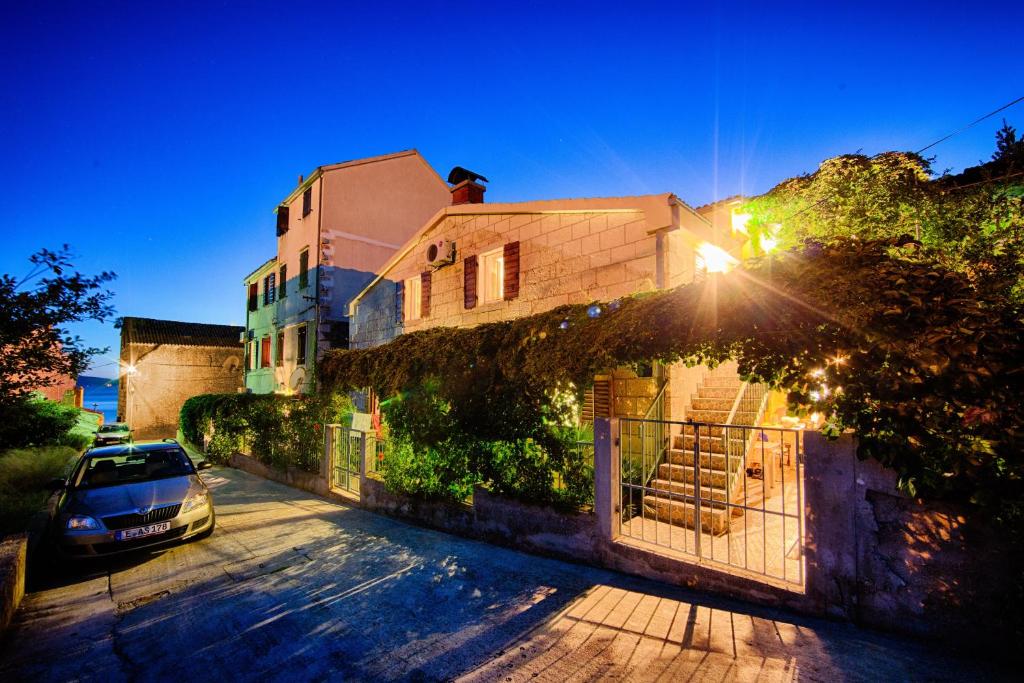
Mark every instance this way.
x=115 y=432
x=130 y=496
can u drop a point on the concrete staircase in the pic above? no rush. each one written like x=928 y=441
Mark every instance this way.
x=719 y=475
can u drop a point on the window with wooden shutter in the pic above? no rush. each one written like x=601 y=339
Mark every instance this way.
x=491 y=276
x=304 y=269
x=279 y=353
x=602 y=389
x=300 y=345
x=269 y=290
x=469 y=282
x=307 y=201
x=399 y=302
x=254 y=296
x=282 y=220
x=511 y=264
x=282 y=287
x=265 y=353
x=425 y=294
x=413 y=304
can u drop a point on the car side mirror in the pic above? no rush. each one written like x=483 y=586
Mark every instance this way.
x=55 y=485
x=204 y=465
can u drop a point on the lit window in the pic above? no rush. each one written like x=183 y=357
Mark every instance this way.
x=412 y=298
x=492 y=276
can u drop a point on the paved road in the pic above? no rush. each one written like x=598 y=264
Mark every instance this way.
x=293 y=587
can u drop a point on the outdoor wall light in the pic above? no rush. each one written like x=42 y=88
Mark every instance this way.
x=716 y=259
x=739 y=222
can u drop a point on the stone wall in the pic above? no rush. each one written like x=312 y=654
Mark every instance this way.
x=883 y=559
x=166 y=376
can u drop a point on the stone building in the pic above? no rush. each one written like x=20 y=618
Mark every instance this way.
x=473 y=263
x=334 y=230
x=165 y=362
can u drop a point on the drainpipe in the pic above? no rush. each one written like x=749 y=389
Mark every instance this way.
x=319 y=266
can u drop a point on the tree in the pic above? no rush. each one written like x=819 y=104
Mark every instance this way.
x=35 y=345
x=1007 y=145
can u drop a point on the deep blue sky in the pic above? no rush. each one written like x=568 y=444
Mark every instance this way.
x=157 y=141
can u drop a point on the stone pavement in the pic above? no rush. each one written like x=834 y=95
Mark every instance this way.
x=294 y=587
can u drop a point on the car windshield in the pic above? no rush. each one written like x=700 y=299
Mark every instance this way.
x=132 y=467
x=113 y=428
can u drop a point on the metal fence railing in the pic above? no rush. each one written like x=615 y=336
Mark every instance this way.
x=345 y=448
x=723 y=493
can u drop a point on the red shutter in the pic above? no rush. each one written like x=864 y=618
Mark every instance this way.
x=469 y=282
x=282 y=220
x=511 y=270
x=425 y=294
x=399 y=301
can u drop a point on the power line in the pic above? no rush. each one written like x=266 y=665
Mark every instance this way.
x=939 y=141
x=972 y=123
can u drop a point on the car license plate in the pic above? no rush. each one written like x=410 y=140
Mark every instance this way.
x=140 y=531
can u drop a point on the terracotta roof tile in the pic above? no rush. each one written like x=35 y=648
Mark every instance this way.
x=150 y=331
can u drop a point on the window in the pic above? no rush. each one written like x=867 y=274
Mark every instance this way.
x=265 y=352
x=269 y=290
x=304 y=269
x=250 y=356
x=300 y=345
x=492 y=276
x=413 y=298
x=254 y=296
x=279 y=353
x=282 y=220
x=282 y=287
x=307 y=201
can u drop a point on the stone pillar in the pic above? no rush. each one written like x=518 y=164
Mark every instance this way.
x=830 y=503
x=607 y=490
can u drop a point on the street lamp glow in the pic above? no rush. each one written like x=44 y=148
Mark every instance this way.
x=131 y=369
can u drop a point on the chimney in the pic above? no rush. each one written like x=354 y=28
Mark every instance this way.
x=300 y=179
x=466 y=188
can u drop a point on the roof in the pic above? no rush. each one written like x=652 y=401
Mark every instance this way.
x=150 y=331
x=320 y=170
x=727 y=201
x=658 y=208
x=259 y=271
x=137 y=447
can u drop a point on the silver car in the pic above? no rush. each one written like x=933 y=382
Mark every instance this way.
x=133 y=496
x=115 y=432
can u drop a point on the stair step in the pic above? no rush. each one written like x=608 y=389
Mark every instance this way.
x=708 y=461
x=680 y=488
x=701 y=403
x=685 y=473
x=722 y=381
x=710 y=442
x=679 y=513
x=708 y=415
x=718 y=392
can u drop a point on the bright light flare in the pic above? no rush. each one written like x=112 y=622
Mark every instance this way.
x=716 y=259
x=740 y=221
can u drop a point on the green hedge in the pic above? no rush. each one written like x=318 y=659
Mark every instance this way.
x=428 y=454
x=38 y=422
x=279 y=431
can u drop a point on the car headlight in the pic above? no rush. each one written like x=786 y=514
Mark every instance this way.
x=195 y=501
x=82 y=522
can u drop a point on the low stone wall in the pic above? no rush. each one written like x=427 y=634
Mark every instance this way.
x=534 y=528
x=885 y=560
x=13 y=557
x=297 y=478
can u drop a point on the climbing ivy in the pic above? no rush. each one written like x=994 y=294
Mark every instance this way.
x=921 y=361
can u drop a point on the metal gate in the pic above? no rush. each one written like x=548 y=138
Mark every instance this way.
x=721 y=493
x=345 y=448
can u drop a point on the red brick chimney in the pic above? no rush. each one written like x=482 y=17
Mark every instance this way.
x=468 y=192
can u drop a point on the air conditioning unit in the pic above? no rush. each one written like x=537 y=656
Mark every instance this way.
x=440 y=253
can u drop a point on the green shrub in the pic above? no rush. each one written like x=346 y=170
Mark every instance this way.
x=24 y=474
x=280 y=431
x=36 y=422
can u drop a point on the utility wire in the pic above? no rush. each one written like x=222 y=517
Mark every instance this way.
x=972 y=123
x=939 y=141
